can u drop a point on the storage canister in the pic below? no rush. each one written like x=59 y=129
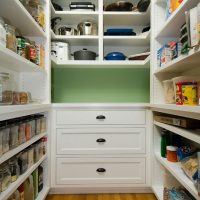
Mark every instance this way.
x=6 y=176
x=2 y=33
x=2 y=127
x=11 y=40
x=6 y=91
x=6 y=138
x=22 y=132
x=14 y=169
x=171 y=154
x=63 y=54
x=14 y=133
x=169 y=93
x=23 y=161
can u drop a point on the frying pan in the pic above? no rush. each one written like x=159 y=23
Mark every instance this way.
x=119 y=6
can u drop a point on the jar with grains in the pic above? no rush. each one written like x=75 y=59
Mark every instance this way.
x=11 y=40
x=6 y=92
x=6 y=176
x=14 y=169
x=2 y=33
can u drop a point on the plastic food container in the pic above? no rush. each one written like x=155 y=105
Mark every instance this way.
x=6 y=177
x=6 y=138
x=171 y=154
x=14 y=134
x=169 y=93
x=6 y=92
x=22 y=132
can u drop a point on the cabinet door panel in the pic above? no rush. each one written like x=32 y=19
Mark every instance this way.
x=100 y=117
x=101 y=140
x=100 y=170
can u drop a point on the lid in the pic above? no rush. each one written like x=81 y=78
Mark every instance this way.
x=172 y=148
x=62 y=44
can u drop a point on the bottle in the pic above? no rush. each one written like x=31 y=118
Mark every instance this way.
x=165 y=141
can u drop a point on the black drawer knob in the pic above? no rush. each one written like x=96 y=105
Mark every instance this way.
x=101 y=117
x=100 y=140
x=101 y=170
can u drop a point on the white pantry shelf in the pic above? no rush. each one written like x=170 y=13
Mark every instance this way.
x=42 y=195
x=173 y=107
x=171 y=27
x=126 y=18
x=77 y=40
x=16 y=150
x=101 y=64
x=13 y=111
x=18 y=16
x=13 y=186
x=138 y=40
x=158 y=191
x=191 y=134
x=177 y=172
x=182 y=63
x=15 y=62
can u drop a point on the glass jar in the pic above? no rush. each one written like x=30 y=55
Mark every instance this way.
x=6 y=93
x=14 y=169
x=21 y=46
x=6 y=177
x=11 y=40
x=2 y=33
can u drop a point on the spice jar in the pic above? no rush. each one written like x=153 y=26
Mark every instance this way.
x=14 y=169
x=6 y=177
x=171 y=154
x=2 y=33
x=11 y=40
x=14 y=134
x=6 y=94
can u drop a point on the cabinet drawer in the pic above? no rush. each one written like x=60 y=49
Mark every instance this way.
x=100 y=117
x=100 y=140
x=100 y=170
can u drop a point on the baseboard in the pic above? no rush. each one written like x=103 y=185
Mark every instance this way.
x=97 y=190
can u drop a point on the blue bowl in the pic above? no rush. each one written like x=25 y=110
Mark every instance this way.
x=115 y=56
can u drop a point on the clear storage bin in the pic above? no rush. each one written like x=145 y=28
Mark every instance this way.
x=6 y=90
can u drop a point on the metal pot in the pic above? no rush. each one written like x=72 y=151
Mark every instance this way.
x=84 y=54
x=119 y=6
x=115 y=56
x=87 y=28
x=66 y=30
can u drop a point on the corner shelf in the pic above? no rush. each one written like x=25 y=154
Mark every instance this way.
x=15 y=62
x=138 y=40
x=16 y=13
x=13 y=186
x=77 y=40
x=127 y=18
x=16 y=150
x=177 y=172
x=176 y=20
x=182 y=63
x=102 y=64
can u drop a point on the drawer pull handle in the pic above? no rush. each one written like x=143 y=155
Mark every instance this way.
x=101 y=170
x=100 y=140
x=100 y=117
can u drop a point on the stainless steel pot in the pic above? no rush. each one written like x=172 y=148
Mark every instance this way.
x=66 y=30
x=84 y=54
x=87 y=28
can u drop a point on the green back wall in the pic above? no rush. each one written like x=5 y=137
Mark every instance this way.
x=100 y=85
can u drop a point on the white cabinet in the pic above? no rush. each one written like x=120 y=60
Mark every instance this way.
x=90 y=151
x=100 y=170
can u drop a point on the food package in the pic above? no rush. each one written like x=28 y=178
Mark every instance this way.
x=185 y=151
x=174 y=4
x=165 y=55
x=178 y=194
x=190 y=167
